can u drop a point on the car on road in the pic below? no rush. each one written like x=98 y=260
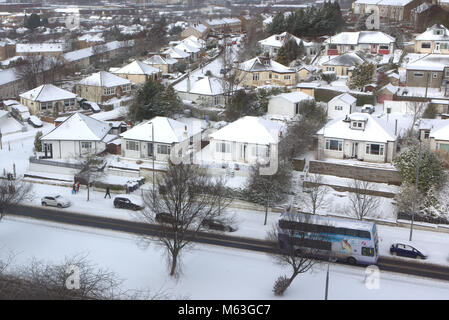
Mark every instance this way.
x=368 y=108
x=407 y=250
x=163 y=217
x=127 y=202
x=55 y=201
x=217 y=225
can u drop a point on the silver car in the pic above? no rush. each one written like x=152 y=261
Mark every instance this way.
x=55 y=201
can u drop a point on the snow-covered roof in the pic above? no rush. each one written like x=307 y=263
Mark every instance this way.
x=435 y=32
x=79 y=127
x=366 y=37
x=176 y=53
x=294 y=97
x=430 y=62
x=210 y=86
x=137 y=67
x=376 y=130
x=264 y=64
x=88 y=52
x=278 y=40
x=47 y=92
x=92 y=37
x=199 y=27
x=224 y=21
x=393 y=89
x=439 y=129
x=158 y=60
x=187 y=47
x=346 y=59
x=39 y=47
x=250 y=130
x=166 y=130
x=104 y=79
x=345 y=97
x=395 y=3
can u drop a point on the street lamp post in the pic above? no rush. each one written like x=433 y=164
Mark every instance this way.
x=416 y=190
x=327 y=281
x=152 y=153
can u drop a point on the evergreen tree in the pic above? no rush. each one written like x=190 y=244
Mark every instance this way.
x=277 y=25
x=361 y=75
x=33 y=21
x=293 y=50
x=152 y=100
x=37 y=141
x=282 y=56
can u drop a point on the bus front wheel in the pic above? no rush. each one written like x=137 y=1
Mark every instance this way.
x=351 y=260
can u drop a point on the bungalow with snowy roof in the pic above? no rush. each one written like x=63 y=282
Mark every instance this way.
x=432 y=70
x=139 y=72
x=262 y=71
x=102 y=86
x=48 y=99
x=77 y=136
x=272 y=44
x=304 y=71
x=340 y=106
x=193 y=51
x=177 y=54
x=343 y=65
x=374 y=42
x=396 y=10
x=357 y=136
x=287 y=104
x=39 y=49
x=225 y=25
x=198 y=30
x=138 y=141
x=435 y=133
x=204 y=91
x=434 y=40
x=162 y=62
x=246 y=140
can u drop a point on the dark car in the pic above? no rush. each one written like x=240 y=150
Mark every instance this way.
x=164 y=218
x=124 y=202
x=217 y=225
x=406 y=250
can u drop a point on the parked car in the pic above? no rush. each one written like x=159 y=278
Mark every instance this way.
x=406 y=250
x=127 y=202
x=55 y=201
x=368 y=108
x=164 y=218
x=217 y=225
x=35 y=122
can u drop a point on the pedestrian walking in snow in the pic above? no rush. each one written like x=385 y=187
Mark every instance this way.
x=108 y=193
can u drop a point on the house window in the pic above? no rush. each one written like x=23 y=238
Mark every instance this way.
x=330 y=68
x=108 y=91
x=375 y=149
x=163 y=149
x=132 y=145
x=297 y=108
x=446 y=72
x=259 y=151
x=338 y=108
x=287 y=77
x=383 y=47
x=425 y=45
x=216 y=100
x=332 y=144
x=66 y=103
x=86 y=145
x=357 y=124
x=223 y=147
x=332 y=46
x=444 y=45
x=255 y=77
x=426 y=134
x=418 y=74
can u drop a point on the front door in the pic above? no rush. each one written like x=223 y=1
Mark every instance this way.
x=437 y=47
x=244 y=152
x=355 y=147
x=150 y=149
x=48 y=150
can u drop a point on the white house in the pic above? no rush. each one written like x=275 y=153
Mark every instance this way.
x=358 y=136
x=204 y=91
x=287 y=104
x=138 y=142
x=374 y=42
x=435 y=133
x=246 y=140
x=272 y=44
x=79 y=135
x=341 y=106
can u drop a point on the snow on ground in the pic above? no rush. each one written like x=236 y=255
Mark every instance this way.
x=209 y=272
x=18 y=147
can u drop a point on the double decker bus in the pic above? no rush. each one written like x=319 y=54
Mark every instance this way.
x=343 y=239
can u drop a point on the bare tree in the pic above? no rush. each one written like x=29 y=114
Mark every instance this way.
x=92 y=168
x=12 y=192
x=183 y=200
x=362 y=202
x=31 y=69
x=416 y=109
x=293 y=248
x=315 y=193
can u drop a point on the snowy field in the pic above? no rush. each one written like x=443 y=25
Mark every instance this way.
x=209 y=272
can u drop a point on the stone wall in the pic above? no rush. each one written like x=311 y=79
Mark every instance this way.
x=378 y=175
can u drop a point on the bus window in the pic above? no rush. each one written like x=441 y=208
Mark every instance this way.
x=367 y=251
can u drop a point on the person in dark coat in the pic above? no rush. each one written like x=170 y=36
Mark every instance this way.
x=108 y=193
